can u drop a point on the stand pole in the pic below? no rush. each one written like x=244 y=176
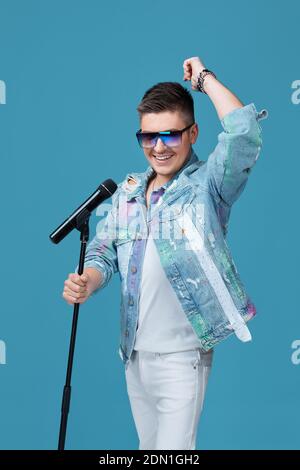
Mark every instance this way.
x=83 y=227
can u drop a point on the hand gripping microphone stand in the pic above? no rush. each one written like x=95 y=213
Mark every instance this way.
x=79 y=220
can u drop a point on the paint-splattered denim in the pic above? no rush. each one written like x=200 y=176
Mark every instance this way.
x=190 y=223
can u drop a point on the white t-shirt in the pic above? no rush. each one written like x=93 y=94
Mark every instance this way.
x=162 y=324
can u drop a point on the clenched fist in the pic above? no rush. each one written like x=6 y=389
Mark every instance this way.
x=191 y=69
x=77 y=288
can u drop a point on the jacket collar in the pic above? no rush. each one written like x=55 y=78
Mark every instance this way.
x=141 y=179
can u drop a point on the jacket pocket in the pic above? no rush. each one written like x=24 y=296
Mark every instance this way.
x=176 y=207
x=124 y=250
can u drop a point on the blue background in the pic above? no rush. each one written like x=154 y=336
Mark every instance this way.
x=75 y=72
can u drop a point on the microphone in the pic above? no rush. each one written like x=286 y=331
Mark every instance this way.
x=103 y=192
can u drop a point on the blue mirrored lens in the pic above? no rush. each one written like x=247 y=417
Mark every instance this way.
x=149 y=140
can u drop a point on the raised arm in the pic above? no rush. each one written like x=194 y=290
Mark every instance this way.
x=239 y=145
x=223 y=99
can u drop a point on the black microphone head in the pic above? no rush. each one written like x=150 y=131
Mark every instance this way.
x=109 y=185
x=103 y=192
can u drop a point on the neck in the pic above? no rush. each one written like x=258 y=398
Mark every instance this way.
x=159 y=180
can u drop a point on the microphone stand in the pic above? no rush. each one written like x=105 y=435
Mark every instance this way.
x=82 y=224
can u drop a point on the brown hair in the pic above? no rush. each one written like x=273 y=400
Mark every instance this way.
x=168 y=96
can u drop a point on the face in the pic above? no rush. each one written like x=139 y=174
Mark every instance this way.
x=177 y=156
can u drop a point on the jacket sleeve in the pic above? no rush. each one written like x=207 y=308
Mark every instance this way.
x=101 y=252
x=236 y=152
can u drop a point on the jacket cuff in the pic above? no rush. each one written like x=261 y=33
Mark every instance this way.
x=239 y=119
x=101 y=268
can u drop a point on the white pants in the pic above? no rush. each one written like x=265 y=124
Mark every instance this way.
x=166 y=393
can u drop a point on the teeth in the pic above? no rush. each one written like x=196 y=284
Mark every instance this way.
x=163 y=157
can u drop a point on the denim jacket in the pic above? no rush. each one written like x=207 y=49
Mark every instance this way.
x=189 y=223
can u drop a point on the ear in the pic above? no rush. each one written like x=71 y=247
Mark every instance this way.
x=194 y=131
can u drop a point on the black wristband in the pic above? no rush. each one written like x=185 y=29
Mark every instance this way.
x=200 y=79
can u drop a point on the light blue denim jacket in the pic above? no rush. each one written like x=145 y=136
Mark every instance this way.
x=189 y=223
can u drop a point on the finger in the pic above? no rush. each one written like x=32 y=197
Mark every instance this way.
x=71 y=300
x=187 y=74
x=81 y=280
x=187 y=64
x=186 y=77
x=77 y=279
x=74 y=287
x=84 y=278
x=75 y=295
x=68 y=298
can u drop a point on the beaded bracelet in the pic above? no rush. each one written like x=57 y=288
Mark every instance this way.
x=201 y=77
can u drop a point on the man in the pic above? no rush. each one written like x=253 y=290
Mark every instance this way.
x=165 y=235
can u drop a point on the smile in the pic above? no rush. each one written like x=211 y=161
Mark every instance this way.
x=162 y=157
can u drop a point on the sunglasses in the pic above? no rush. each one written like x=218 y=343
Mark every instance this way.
x=169 y=138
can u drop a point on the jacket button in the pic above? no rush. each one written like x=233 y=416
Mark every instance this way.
x=130 y=301
x=127 y=332
x=133 y=269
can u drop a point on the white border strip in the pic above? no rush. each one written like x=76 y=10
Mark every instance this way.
x=196 y=243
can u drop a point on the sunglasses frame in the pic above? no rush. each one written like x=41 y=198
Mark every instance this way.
x=160 y=133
